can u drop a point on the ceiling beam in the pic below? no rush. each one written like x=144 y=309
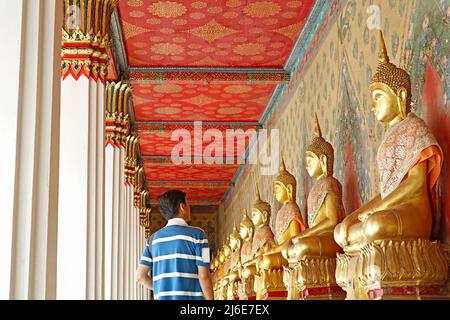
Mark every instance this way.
x=199 y=202
x=207 y=75
x=200 y=160
x=209 y=184
x=192 y=123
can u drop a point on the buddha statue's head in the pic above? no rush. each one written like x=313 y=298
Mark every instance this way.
x=390 y=89
x=227 y=248
x=260 y=211
x=221 y=256
x=235 y=239
x=246 y=230
x=319 y=155
x=214 y=264
x=285 y=185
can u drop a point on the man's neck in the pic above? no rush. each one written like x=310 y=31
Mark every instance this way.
x=177 y=221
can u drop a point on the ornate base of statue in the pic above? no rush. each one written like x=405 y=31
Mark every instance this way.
x=269 y=285
x=232 y=290
x=246 y=289
x=221 y=292
x=313 y=279
x=218 y=294
x=394 y=269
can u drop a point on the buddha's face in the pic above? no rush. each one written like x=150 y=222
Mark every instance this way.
x=245 y=232
x=384 y=104
x=313 y=165
x=235 y=242
x=280 y=192
x=258 y=218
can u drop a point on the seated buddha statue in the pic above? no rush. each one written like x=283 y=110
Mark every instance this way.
x=288 y=221
x=226 y=269
x=409 y=161
x=246 y=230
x=325 y=208
x=219 y=275
x=263 y=241
x=235 y=264
x=315 y=246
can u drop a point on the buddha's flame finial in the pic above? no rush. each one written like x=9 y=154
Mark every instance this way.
x=382 y=56
x=282 y=165
x=258 y=195
x=317 y=131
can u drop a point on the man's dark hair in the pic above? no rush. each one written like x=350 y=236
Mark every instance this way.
x=169 y=203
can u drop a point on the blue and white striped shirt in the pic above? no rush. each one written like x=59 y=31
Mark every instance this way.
x=177 y=251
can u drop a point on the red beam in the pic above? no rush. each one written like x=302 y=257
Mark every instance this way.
x=150 y=77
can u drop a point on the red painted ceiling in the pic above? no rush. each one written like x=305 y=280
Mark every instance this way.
x=162 y=141
x=193 y=102
x=211 y=33
x=228 y=34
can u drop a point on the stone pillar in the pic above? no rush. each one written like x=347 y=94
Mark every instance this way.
x=29 y=123
x=85 y=38
x=116 y=137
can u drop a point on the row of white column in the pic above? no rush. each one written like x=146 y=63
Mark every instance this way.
x=68 y=228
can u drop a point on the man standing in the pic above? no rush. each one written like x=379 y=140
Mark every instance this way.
x=177 y=255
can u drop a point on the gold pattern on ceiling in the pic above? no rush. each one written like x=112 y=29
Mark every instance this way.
x=167 y=88
x=237 y=89
x=211 y=31
x=200 y=100
x=262 y=9
x=167 y=9
x=167 y=48
x=249 y=49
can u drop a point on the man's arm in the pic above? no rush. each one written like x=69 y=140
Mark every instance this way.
x=143 y=277
x=204 y=277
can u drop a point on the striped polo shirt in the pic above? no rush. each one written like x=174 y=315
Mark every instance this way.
x=176 y=252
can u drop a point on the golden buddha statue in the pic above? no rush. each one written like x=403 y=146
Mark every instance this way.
x=218 y=274
x=235 y=264
x=245 y=286
x=288 y=221
x=288 y=224
x=223 y=286
x=314 y=248
x=395 y=225
x=263 y=241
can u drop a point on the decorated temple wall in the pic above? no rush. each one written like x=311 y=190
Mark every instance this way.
x=335 y=85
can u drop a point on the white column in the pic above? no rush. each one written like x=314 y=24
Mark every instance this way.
x=134 y=223
x=29 y=124
x=130 y=245
x=81 y=188
x=125 y=242
x=121 y=227
x=100 y=196
x=78 y=207
x=109 y=196
x=140 y=253
x=112 y=181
